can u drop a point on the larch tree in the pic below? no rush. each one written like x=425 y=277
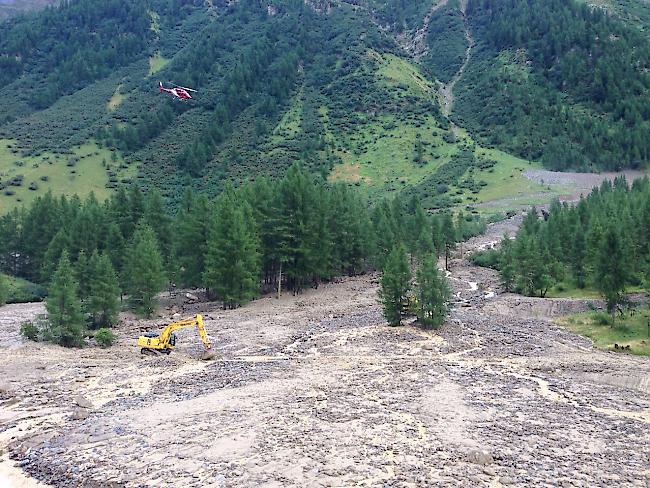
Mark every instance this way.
x=66 y=321
x=611 y=272
x=103 y=292
x=395 y=285
x=145 y=276
x=232 y=262
x=432 y=292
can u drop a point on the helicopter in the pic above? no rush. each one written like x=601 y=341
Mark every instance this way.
x=179 y=92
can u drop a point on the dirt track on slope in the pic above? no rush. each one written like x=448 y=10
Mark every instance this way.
x=316 y=390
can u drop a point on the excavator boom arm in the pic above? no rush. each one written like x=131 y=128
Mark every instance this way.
x=197 y=322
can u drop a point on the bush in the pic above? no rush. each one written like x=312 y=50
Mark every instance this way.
x=22 y=291
x=104 y=337
x=29 y=330
x=486 y=259
x=601 y=318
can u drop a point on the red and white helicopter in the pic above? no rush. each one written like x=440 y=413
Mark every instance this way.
x=179 y=92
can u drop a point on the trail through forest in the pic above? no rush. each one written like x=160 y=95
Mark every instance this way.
x=315 y=390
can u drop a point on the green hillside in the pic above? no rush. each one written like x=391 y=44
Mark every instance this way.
x=9 y=8
x=438 y=99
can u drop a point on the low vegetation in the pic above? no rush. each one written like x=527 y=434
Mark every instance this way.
x=630 y=332
x=104 y=337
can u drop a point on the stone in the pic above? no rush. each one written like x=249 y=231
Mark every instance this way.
x=83 y=402
x=80 y=414
x=191 y=297
x=481 y=457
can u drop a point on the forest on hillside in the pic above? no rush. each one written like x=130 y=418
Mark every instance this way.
x=326 y=84
x=602 y=242
x=559 y=82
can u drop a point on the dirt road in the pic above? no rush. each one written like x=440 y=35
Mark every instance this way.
x=315 y=390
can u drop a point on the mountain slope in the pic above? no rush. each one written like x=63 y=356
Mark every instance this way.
x=352 y=89
x=9 y=8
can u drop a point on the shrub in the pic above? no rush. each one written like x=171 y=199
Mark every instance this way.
x=104 y=337
x=601 y=318
x=29 y=330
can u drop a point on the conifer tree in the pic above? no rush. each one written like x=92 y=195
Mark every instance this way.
x=190 y=239
x=395 y=285
x=232 y=262
x=507 y=264
x=449 y=236
x=386 y=239
x=578 y=257
x=159 y=220
x=144 y=270
x=611 y=272
x=420 y=234
x=115 y=246
x=432 y=292
x=4 y=289
x=66 y=322
x=59 y=243
x=297 y=227
x=103 y=292
x=82 y=274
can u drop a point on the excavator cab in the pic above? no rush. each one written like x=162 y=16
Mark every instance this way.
x=163 y=343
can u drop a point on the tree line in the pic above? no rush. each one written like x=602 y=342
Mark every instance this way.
x=602 y=242
x=267 y=235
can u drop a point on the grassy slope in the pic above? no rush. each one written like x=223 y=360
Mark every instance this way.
x=387 y=165
x=88 y=174
x=20 y=290
x=629 y=330
x=156 y=63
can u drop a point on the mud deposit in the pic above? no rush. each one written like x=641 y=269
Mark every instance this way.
x=316 y=390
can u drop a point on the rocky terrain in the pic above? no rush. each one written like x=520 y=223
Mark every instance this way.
x=315 y=390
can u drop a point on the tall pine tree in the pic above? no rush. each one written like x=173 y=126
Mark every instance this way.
x=395 y=285
x=232 y=262
x=66 y=322
x=432 y=292
x=103 y=291
x=144 y=270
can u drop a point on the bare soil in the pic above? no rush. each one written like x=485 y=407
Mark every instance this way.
x=316 y=390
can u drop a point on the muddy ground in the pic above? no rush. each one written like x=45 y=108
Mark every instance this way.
x=316 y=390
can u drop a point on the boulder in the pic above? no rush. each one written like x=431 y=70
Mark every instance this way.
x=83 y=402
x=80 y=413
x=481 y=457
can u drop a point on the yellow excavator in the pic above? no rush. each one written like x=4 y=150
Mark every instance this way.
x=163 y=343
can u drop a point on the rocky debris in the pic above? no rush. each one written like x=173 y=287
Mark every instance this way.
x=191 y=297
x=316 y=390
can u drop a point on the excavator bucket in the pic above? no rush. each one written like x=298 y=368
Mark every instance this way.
x=207 y=355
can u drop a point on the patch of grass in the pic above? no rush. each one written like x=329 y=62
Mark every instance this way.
x=289 y=125
x=116 y=99
x=155 y=21
x=386 y=162
x=20 y=290
x=506 y=185
x=398 y=72
x=568 y=290
x=156 y=63
x=630 y=330
x=78 y=173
